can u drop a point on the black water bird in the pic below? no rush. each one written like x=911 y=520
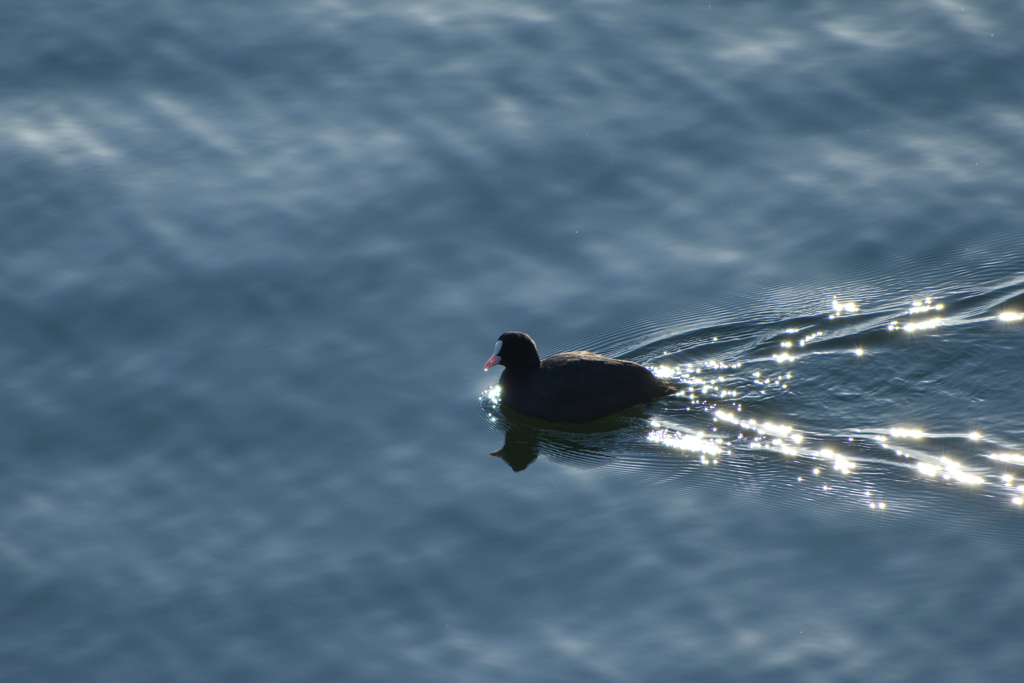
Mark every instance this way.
x=578 y=386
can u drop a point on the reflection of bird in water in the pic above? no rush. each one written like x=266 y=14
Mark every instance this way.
x=575 y=445
x=520 y=449
x=578 y=386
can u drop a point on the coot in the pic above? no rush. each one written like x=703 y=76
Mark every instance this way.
x=578 y=386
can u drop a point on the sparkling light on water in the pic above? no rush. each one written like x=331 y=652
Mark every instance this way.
x=902 y=433
x=841 y=307
x=663 y=371
x=691 y=443
x=839 y=462
x=924 y=325
x=919 y=307
x=1011 y=458
x=764 y=428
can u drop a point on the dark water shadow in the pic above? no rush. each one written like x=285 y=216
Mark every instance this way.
x=583 y=445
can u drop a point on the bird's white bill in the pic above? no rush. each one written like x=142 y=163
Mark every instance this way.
x=495 y=358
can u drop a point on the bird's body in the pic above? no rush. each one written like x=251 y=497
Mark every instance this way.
x=578 y=386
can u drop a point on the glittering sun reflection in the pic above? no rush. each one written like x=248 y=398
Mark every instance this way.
x=918 y=308
x=490 y=400
x=924 y=307
x=841 y=307
x=735 y=436
x=949 y=469
x=708 y=449
x=1012 y=458
x=839 y=462
x=942 y=466
x=904 y=433
x=924 y=325
x=727 y=430
x=764 y=435
x=663 y=371
x=729 y=396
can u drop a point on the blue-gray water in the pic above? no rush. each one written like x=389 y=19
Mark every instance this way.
x=253 y=256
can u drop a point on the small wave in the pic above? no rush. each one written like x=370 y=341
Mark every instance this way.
x=854 y=399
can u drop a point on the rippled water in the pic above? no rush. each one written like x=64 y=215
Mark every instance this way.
x=254 y=255
x=841 y=393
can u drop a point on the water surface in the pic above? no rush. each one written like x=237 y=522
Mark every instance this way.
x=254 y=256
